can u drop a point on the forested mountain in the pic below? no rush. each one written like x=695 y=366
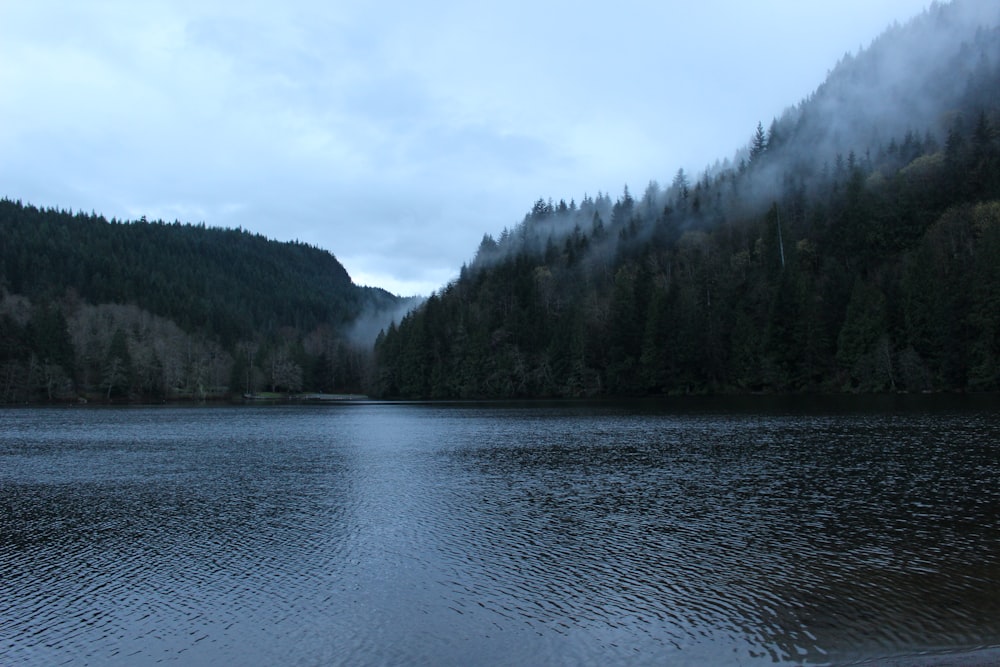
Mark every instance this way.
x=852 y=245
x=148 y=310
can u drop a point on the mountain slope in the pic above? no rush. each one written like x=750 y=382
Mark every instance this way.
x=225 y=298
x=229 y=282
x=851 y=246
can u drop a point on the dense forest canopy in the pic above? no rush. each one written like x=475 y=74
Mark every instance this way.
x=853 y=244
x=151 y=310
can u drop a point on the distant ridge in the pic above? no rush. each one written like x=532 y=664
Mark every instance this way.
x=183 y=308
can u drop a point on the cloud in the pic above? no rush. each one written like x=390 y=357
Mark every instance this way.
x=392 y=134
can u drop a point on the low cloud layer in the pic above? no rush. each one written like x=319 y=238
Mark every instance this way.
x=392 y=135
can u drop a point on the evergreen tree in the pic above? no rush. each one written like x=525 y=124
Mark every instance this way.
x=758 y=144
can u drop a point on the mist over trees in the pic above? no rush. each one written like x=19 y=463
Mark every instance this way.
x=116 y=311
x=852 y=245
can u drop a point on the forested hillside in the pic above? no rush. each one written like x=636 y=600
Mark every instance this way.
x=150 y=310
x=852 y=245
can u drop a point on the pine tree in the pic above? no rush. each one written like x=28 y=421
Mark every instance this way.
x=758 y=144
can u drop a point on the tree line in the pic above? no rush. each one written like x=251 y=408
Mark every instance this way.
x=852 y=245
x=829 y=255
x=109 y=310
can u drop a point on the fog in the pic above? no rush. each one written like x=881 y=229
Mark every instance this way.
x=393 y=135
x=911 y=80
x=363 y=331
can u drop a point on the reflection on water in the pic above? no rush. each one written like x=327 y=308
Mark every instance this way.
x=561 y=534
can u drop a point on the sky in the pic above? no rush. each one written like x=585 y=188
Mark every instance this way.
x=393 y=134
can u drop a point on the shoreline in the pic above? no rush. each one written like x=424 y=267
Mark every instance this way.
x=987 y=656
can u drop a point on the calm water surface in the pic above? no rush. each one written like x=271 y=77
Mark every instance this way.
x=683 y=533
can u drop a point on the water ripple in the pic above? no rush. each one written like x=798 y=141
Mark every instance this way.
x=402 y=534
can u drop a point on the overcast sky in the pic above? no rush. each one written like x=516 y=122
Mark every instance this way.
x=393 y=134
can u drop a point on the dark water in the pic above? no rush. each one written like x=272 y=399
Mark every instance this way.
x=686 y=533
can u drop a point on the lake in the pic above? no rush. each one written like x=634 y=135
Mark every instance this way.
x=713 y=531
